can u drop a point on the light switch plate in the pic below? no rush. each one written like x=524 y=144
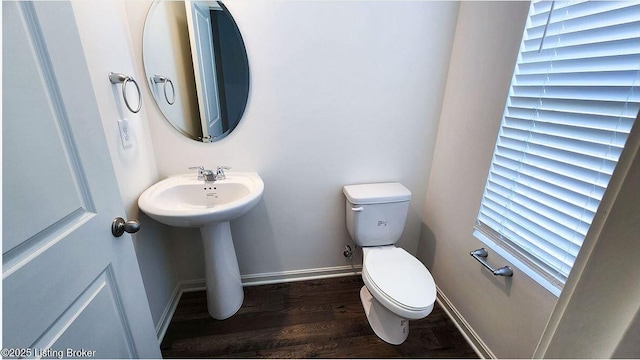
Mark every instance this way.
x=125 y=133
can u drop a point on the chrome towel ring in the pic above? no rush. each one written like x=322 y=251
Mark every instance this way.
x=163 y=79
x=116 y=78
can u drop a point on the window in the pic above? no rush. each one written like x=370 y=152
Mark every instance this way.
x=574 y=96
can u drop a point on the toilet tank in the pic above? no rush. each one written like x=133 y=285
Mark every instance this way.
x=376 y=213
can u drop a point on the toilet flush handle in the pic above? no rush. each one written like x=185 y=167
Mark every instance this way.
x=357 y=209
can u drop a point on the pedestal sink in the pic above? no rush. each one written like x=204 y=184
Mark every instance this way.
x=185 y=201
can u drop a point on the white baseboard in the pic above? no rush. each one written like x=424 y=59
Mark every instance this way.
x=251 y=280
x=300 y=275
x=465 y=329
x=170 y=309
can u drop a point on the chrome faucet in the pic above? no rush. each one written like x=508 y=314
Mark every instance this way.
x=204 y=174
x=209 y=175
x=220 y=172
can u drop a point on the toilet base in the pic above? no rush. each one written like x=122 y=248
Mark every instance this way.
x=389 y=327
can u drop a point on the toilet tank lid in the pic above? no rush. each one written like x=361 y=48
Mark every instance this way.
x=376 y=193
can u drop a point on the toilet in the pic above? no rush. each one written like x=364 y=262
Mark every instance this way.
x=398 y=287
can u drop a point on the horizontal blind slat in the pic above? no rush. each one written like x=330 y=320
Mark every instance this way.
x=575 y=145
x=588 y=162
x=571 y=184
x=617 y=62
x=577 y=10
x=574 y=18
x=561 y=224
x=579 y=37
x=580 y=78
x=620 y=93
x=575 y=112
x=557 y=123
x=624 y=46
x=585 y=196
x=548 y=122
x=543 y=193
x=553 y=166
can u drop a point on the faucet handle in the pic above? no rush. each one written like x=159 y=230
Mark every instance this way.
x=200 y=171
x=220 y=172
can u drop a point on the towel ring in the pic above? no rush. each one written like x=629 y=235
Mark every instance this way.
x=163 y=79
x=116 y=78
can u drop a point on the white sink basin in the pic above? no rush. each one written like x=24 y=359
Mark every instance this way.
x=185 y=201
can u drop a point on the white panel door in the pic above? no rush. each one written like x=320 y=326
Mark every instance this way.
x=68 y=284
x=201 y=39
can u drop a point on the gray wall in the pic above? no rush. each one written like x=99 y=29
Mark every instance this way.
x=341 y=93
x=508 y=314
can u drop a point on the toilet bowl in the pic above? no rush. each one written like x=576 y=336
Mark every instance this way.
x=398 y=287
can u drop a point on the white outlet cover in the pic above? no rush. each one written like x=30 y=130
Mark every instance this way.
x=125 y=133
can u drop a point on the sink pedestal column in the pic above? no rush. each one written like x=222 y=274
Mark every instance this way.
x=224 y=286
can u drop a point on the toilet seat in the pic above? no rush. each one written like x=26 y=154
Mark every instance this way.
x=399 y=281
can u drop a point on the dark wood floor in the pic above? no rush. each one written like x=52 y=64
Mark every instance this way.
x=308 y=319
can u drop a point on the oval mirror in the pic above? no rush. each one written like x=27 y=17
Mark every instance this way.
x=196 y=67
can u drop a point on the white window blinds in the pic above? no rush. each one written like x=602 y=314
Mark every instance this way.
x=574 y=96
